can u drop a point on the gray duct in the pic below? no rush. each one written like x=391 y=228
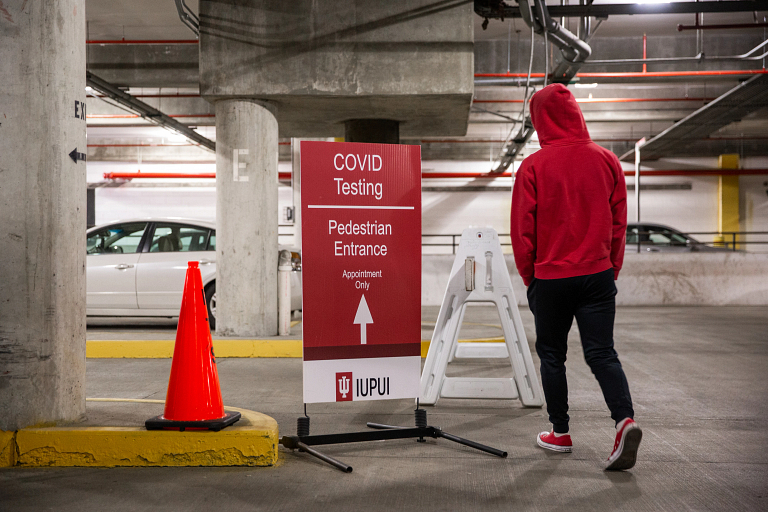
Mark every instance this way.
x=574 y=51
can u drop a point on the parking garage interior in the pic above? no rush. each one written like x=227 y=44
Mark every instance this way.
x=123 y=123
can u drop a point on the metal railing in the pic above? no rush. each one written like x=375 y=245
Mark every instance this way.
x=731 y=240
x=452 y=241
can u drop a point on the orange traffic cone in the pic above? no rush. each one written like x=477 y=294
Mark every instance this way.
x=194 y=395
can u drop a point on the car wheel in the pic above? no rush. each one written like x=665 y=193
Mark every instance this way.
x=210 y=301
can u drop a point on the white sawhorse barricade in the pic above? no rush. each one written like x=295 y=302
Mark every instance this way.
x=479 y=274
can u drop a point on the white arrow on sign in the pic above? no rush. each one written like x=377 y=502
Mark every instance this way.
x=363 y=317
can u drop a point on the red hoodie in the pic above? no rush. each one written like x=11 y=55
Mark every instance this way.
x=569 y=203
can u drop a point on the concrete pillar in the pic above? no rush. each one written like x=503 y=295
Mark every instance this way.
x=382 y=131
x=246 y=218
x=42 y=213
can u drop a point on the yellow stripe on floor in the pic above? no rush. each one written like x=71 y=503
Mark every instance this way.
x=159 y=349
x=140 y=349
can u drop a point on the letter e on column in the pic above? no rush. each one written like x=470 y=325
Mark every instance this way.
x=237 y=164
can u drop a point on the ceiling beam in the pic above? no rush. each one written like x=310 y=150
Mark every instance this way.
x=146 y=111
x=732 y=106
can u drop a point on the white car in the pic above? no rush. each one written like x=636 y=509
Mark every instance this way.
x=137 y=267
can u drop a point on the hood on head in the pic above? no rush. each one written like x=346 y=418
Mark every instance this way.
x=557 y=117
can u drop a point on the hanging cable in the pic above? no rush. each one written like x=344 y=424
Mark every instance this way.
x=500 y=158
x=526 y=96
x=546 y=58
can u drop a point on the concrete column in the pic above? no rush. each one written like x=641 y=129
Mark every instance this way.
x=42 y=213
x=246 y=217
x=382 y=131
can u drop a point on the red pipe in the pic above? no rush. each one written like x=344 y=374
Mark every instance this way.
x=285 y=176
x=155 y=175
x=699 y=172
x=680 y=28
x=655 y=172
x=157 y=145
x=164 y=96
x=657 y=74
x=676 y=74
x=499 y=141
x=478 y=175
x=164 y=175
x=137 y=145
x=135 y=116
x=142 y=41
x=607 y=100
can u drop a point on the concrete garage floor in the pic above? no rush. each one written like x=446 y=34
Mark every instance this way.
x=698 y=379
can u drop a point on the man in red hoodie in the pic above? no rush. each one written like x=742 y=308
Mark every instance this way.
x=568 y=224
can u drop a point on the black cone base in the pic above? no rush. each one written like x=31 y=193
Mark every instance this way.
x=160 y=423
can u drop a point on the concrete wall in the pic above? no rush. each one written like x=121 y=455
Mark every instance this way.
x=715 y=279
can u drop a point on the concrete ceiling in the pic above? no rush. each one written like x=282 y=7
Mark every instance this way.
x=171 y=69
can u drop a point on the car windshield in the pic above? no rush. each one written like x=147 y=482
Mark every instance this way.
x=118 y=239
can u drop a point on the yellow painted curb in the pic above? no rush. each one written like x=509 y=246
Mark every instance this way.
x=157 y=349
x=252 y=441
x=164 y=348
x=129 y=348
x=7 y=448
x=257 y=348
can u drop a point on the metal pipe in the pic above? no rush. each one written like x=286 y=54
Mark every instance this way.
x=592 y=32
x=609 y=100
x=643 y=61
x=680 y=28
x=698 y=58
x=637 y=174
x=605 y=10
x=284 y=269
x=142 y=41
x=676 y=74
x=514 y=78
x=498 y=141
x=188 y=17
x=585 y=23
x=574 y=50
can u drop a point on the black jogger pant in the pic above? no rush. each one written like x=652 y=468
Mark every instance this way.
x=592 y=300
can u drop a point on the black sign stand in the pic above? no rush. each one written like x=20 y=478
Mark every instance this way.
x=303 y=442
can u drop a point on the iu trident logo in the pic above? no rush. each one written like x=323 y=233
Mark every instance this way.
x=344 y=387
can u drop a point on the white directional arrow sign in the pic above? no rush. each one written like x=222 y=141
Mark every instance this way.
x=363 y=317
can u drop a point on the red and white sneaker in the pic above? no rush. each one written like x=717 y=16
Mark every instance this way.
x=549 y=441
x=624 y=452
